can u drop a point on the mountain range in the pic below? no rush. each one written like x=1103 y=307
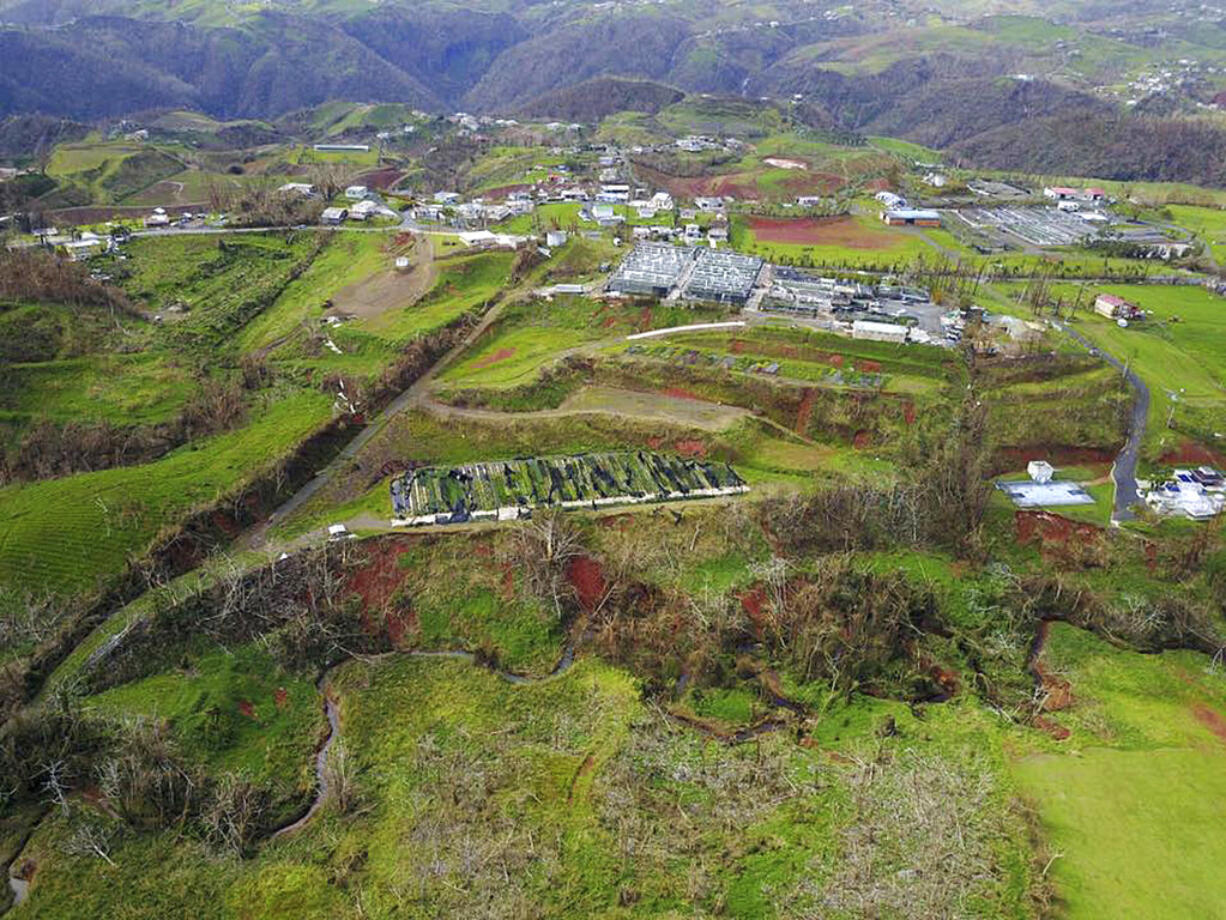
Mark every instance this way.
x=953 y=79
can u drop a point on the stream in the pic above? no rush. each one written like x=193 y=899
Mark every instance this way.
x=20 y=888
x=334 y=728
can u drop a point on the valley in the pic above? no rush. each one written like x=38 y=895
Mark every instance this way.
x=684 y=484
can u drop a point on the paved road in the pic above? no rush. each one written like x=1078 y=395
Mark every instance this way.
x=1124 y=470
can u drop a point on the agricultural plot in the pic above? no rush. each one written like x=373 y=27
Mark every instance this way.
x=508 y=489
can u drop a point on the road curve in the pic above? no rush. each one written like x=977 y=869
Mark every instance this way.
x=1124 y=470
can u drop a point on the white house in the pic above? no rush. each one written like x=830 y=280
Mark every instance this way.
x=364 y=210
x=1113 y=307
x=555 y=238
x=356 y=192
x=446 y=197
x=297 y=188
x=1040 y=470
x=878 y=332
x=334 y=216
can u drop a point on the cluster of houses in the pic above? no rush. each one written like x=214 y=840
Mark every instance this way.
x=367 y=205
x=1198 y=494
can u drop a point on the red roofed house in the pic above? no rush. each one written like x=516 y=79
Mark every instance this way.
x=1061 y=193
x=1095 y=194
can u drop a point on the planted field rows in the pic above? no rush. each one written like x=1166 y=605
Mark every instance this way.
x=501 y=489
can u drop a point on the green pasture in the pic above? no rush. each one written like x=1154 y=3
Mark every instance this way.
x=1180 y=352
x=535 y=334
x=66 y=535
x=1131 y=803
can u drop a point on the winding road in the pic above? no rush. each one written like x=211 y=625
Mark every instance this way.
x=1124 y=470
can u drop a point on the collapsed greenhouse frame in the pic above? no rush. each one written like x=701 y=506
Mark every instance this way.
x=507 y=490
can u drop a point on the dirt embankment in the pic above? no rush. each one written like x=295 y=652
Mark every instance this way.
x=1054 y=693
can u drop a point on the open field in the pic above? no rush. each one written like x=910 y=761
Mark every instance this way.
x=1208 y=223
x=64 y=534
x=844 y=241
x=1180 y=352
x=531 y=336
x=1133 y=812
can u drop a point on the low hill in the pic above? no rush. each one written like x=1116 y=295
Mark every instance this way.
x=628 y=45
x=27 y=135
x=596 y=99
x=1111 y=146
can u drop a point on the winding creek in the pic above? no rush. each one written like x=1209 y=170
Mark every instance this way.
x=334 y=724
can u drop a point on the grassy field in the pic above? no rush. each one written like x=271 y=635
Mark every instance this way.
x=533 y=335
x=347 y=259
x=1180 y=352
x=64 y=535
x=1208 y=223
x=849 y=242
x=1131 y=804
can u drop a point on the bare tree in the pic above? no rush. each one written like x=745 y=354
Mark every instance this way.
x=91 y=838
x=542 y=550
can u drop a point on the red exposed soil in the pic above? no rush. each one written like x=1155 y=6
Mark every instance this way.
x=690 y=448
x=751 y=603
x=500 y=355
x=377 y=580
x=736 y=186
x=645 y=320
x=98 y=215
x=500 y=193
x=863 y=440
x=1055 y=729
x=381 y=178
x=813 y=183
x=655 y=443
x=508 y=582
x=1052 y=530
x=825 y=231
x=946 y=679
x=610 y=322
x=1016 y=458
x=1191 y=454
x=587 y=577
x=805 y=413
x=877 y=185
x=868 y=367
x=1211 y=719
x=226 y=524
x=280 y=696
x=245 y=708
x=908 y=413
x=678 y=393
